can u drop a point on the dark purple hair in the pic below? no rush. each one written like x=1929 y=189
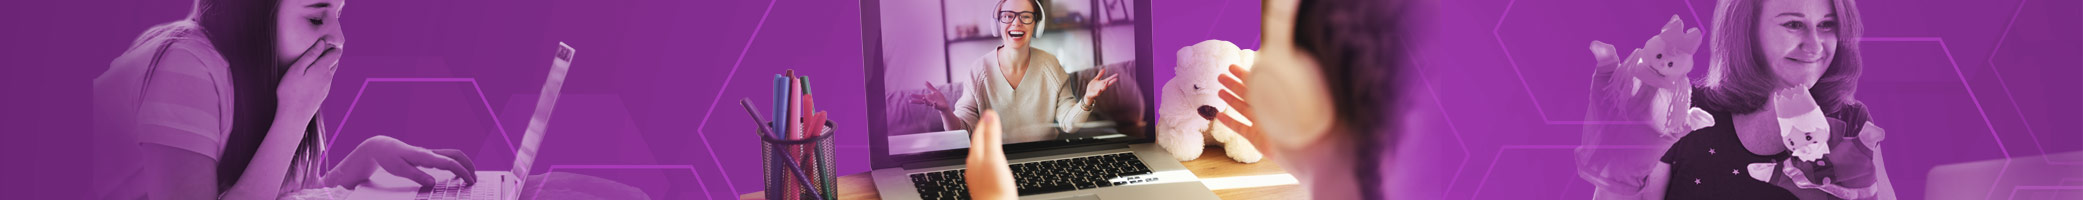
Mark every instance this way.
x=1358 y=46
x=243 y=31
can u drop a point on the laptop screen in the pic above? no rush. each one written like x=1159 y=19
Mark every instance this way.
x=552 y=87
x=938 y=64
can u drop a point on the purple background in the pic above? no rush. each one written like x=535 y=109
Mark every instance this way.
x=655 y=81
x=1518 y=135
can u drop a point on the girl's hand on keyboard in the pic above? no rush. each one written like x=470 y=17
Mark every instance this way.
x=988 y=175
x=398 y=158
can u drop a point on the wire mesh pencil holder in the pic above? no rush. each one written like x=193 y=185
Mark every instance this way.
x=784 y=180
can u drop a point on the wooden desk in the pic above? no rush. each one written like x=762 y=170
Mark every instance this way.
x=1212 y=164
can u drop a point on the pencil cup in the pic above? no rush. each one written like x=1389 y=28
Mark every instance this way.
x=782 y=157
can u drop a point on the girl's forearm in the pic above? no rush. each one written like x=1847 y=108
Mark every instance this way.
x=264 y=176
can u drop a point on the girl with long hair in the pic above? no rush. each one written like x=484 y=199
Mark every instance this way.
x=224 y=105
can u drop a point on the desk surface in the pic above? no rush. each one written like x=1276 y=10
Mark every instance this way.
x=1212 y=165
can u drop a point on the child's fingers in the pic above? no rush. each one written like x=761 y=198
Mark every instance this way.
x=326 y=63
x=976 y=139
x=310 y=55
x=409 y=172
x=1234 y=82
x=1239 y=72
x=979 y=133
x=1243 y=126
x=988 y=130
x=331 y=59
x=1236 y=102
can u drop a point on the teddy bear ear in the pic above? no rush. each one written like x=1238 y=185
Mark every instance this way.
x=1691 y=42
x=1674 y=25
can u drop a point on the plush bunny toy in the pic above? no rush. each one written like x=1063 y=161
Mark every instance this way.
x=1186 y=118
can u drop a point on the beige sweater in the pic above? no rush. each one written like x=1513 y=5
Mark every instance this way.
x=1041 y=108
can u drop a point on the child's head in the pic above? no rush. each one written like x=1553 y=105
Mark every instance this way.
x=1331 y=82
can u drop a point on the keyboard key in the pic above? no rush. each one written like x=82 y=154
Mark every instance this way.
x=1038 y=177
x=1046 y=190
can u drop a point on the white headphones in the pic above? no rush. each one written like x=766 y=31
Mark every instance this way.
x=1040 y=17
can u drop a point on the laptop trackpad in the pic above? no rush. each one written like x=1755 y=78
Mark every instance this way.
x=1080 y=197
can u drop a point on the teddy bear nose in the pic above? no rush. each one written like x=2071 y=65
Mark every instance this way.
x=1208 y=112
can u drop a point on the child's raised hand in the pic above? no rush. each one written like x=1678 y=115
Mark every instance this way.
x=1233 y=93
x=988 y=175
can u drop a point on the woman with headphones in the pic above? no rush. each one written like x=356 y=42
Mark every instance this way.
x=1024 y=84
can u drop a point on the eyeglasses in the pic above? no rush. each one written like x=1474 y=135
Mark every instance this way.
x=1007 y=16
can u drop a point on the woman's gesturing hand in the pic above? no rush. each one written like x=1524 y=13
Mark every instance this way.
x=1100 y=82
x=988 y=174
x=933 y=97
x=308 y=79
x=398 y=158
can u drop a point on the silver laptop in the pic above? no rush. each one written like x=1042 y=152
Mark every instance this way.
x=1108 y=155
x=502 y=185
x=1057 y=169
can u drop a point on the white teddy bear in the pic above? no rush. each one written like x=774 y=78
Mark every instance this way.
x=1186 y=120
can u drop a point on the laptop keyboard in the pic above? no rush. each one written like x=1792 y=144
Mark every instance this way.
x=455 y=188
x=1040 y=177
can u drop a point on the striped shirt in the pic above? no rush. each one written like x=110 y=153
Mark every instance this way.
x=172 y=88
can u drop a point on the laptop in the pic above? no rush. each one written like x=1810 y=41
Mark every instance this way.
x=1108 y=155
x=502 y=185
